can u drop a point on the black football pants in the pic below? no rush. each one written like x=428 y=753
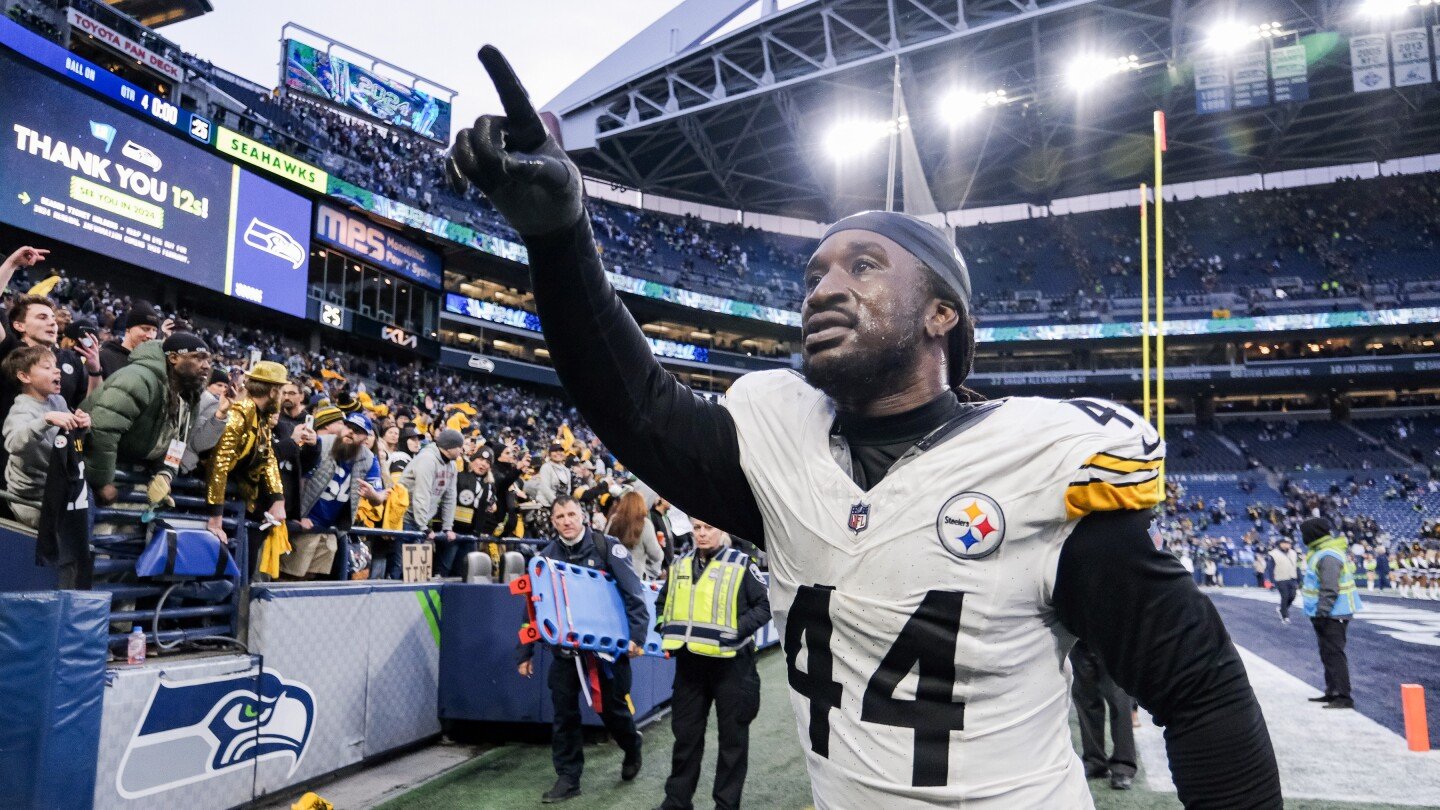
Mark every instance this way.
x=733 y=686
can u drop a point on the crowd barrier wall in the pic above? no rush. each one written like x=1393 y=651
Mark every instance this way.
x=368 y=652
x=182 y=733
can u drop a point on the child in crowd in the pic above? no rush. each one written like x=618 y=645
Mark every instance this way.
x=36 y=418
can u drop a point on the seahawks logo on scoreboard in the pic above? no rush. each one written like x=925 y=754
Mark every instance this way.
x=195 y=730
x=971 y=525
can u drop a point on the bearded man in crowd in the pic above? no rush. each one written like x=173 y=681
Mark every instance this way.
x=143 y=413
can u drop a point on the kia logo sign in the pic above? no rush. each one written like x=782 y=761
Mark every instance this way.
x=399 y=337
x=479 y=363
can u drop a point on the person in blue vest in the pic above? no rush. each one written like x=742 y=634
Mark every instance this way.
x=578 y=544
x=1328 y=597
x=712 y=604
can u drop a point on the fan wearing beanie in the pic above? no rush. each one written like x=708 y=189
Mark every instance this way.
x=144 y=413
x=431 y=479
x=141 y=322
x=1328 y=595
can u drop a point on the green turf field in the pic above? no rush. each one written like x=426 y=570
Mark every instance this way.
x=516 y=775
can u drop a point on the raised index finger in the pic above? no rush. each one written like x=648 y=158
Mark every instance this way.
x=523 y=126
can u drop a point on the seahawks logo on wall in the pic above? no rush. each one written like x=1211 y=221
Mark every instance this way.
x=194 y=730
x=971 y=525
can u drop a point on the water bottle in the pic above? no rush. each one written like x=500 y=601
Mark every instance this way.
x=136 y=648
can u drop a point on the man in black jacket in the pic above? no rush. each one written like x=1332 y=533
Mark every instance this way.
x=579 y=545
x=888 y=344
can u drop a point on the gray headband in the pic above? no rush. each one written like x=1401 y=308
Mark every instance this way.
x=923 y=240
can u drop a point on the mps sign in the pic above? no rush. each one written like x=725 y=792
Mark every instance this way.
x=356 y=234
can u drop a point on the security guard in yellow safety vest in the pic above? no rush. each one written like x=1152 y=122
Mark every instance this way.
x=712 y=603
x=1328 y=596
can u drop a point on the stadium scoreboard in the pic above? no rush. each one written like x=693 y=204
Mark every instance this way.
x=79 y=171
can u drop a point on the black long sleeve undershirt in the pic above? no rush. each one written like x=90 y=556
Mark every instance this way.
x=1157 y=634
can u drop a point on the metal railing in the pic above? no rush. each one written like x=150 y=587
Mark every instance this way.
x=171 y=613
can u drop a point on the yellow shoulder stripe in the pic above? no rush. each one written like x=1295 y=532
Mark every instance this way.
x=1102 y=496
x=1120 y=464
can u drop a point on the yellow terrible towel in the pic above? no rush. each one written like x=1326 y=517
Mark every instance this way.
x=277 y=544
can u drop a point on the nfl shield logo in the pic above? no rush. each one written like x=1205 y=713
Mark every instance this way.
x=859 y=517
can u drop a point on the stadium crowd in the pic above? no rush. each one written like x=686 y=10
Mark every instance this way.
x=1355 y=240
x=410 y=450
x=1389 y=553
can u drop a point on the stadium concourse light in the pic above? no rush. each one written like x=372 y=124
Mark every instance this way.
x=847 y=139
x=1229 y=36
x=1087 y=72
x=959 y=106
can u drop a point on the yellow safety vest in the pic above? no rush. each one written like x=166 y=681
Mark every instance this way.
x=702 y=612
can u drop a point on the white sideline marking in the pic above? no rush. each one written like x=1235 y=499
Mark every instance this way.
x=1379 y=768
x=1413 y=625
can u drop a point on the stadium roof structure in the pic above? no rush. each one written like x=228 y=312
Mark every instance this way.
x=738 y=118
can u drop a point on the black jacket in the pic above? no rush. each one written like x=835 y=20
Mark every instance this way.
x=754 y=609
x=477 y=494
x=113 y=356
x=604 y=553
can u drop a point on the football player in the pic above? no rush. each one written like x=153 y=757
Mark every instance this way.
x=933 y=556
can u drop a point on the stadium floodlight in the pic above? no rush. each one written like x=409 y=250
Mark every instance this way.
x=1229 y=36
x=959 y=106
x=847 y=139
x=1385 y=8
x=1087 y=72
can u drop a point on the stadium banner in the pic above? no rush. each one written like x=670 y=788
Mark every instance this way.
x=1213 y=326
x=91 y=76
x=1251 y=80
x=382 y=247
x=272 y=160
x=369 y=655
x=1289 y=73
x=1212 y=85
x=520 y=319
x=429 y=223
x=82 y=172
x=314 y=72
x=188 y=733
x=1319 y=368
x=118 y=42
x=1410 y=48
x=1369 y=63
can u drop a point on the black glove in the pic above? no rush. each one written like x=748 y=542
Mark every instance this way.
x=514 y=161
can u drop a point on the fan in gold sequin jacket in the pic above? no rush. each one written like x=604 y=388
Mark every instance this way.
x=246 y=451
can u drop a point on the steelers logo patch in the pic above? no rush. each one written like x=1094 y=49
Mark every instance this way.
x=971 y=525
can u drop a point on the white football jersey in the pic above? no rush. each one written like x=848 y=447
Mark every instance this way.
x=925 y=661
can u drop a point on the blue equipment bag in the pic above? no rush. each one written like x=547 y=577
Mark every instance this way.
x=183 y=553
